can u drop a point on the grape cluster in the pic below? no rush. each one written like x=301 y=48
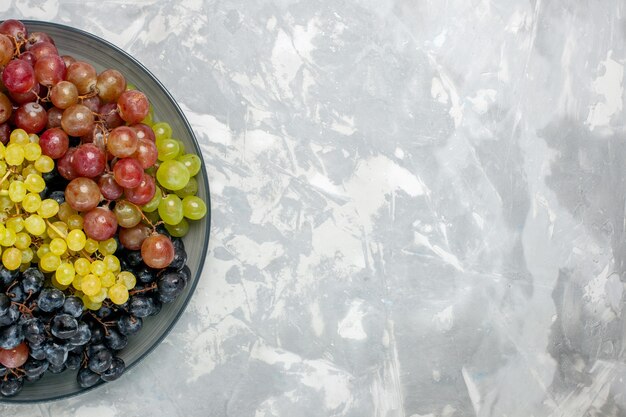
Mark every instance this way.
x=95 y=195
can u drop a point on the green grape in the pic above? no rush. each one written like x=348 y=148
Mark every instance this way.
x=75 y=221
x=49 y=208
x=19 y=136
x=22 y=240
x=35 y=225
x=15 y=223
x=118 y=294
x=100 y=296
x=5 y=202
x=65 y=273
x=190 y=189
x=107 y=247
x=192 y=162
x=43 y=250
x=108 y=279
x=34 y=183
x=32 y=151
x=31 y=202
x=153 y=217
x=17 y=191
x=90 y=305
x=167 y=149
x=58 y=246
x=27 y=255
x=9 y=238
x=162 y=130
x=112 y=263
x=76 y=240
x=172 y=175
x=181 y=148
x=90 y=284
x=171 y=209
x=193 y=207
x=58 y=226
x=49 y=262
x=44 y=164
x=14 y=154
x=178 y=230
x=82 y=265
x=98 y=268
x=3 y=167
x=12 y=258
x=91 y=245
x=127 y=278
x=154 y=203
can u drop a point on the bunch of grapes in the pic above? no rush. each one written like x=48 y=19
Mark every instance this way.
x=95 y=196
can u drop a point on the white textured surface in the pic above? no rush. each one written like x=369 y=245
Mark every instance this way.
x=418 y=207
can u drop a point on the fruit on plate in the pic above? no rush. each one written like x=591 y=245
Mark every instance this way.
x=95 y=196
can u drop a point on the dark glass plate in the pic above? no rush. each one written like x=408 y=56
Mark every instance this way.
x=102 y=54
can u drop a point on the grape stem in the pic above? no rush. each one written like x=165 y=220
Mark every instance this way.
x=5 y=176
x=150 y=287
x=106 y=331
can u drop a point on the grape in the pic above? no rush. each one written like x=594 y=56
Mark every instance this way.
x=157 y=251
x=127 y=214
x=178 y=230
x=32 y=117
x=87 y=378
x=28 y=96
x=65 y=167
x=77 y=120
x=7 y=49
x=14 y=358
x=110 y=116
x=146 y=153
x=83 y=75
x=54 y=143
x=128 y=172
x=109 y=188
x=89 y=160
x=55 y=115
x=14 y=28
x=100 y=223
x=100 y=361
x=144 y=131
x=133 y=106
x=34 y=331
x=11 y=386
x=122 y=142
x=28 y=57
x=49 y=70
x=173 y=175
x=83 y=333
x=171 y=209
x=133 y=237
x=68 y=60
x=192 y=162
x=111 y=84
x=50 y=299
x=18 y=76
x=37 y=37
x=153 y=204
x=170 y=285
x=162 y=130
x=64 y=94
x=82 y=194
x=167 y=149
x=6 y=108
x=5 y=131
x=190 y=189
x=143 y=193
x=43 y=49
x=92 y=103
x=63 y=326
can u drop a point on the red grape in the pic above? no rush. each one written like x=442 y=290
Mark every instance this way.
x=23 y=98
x=77 y=120
x=144 y=131
x=64 y=94
x=110 y=83
x=146 y=153
x=89 y=160
x=64 y=165
x=83 y=75
x=133 y=106
x=54 y=143
x=128 y=172
x=133 y=237
x=92 y=103
x=157 y=251
x=82 y=194
x=16 y=357
x=42 y=49
x=110 y=189
x=55 y=116
x=6 y=108
x=7 y=49
x=31 y=117
x=5 y=133
x=68 y=59
x=110 y=115
x=49 y=70
x=14 y=28
x=143 y=193
x=122 y=142
x=100 y=223
x=28 y=57
x=18 y=76
x=37 y=37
